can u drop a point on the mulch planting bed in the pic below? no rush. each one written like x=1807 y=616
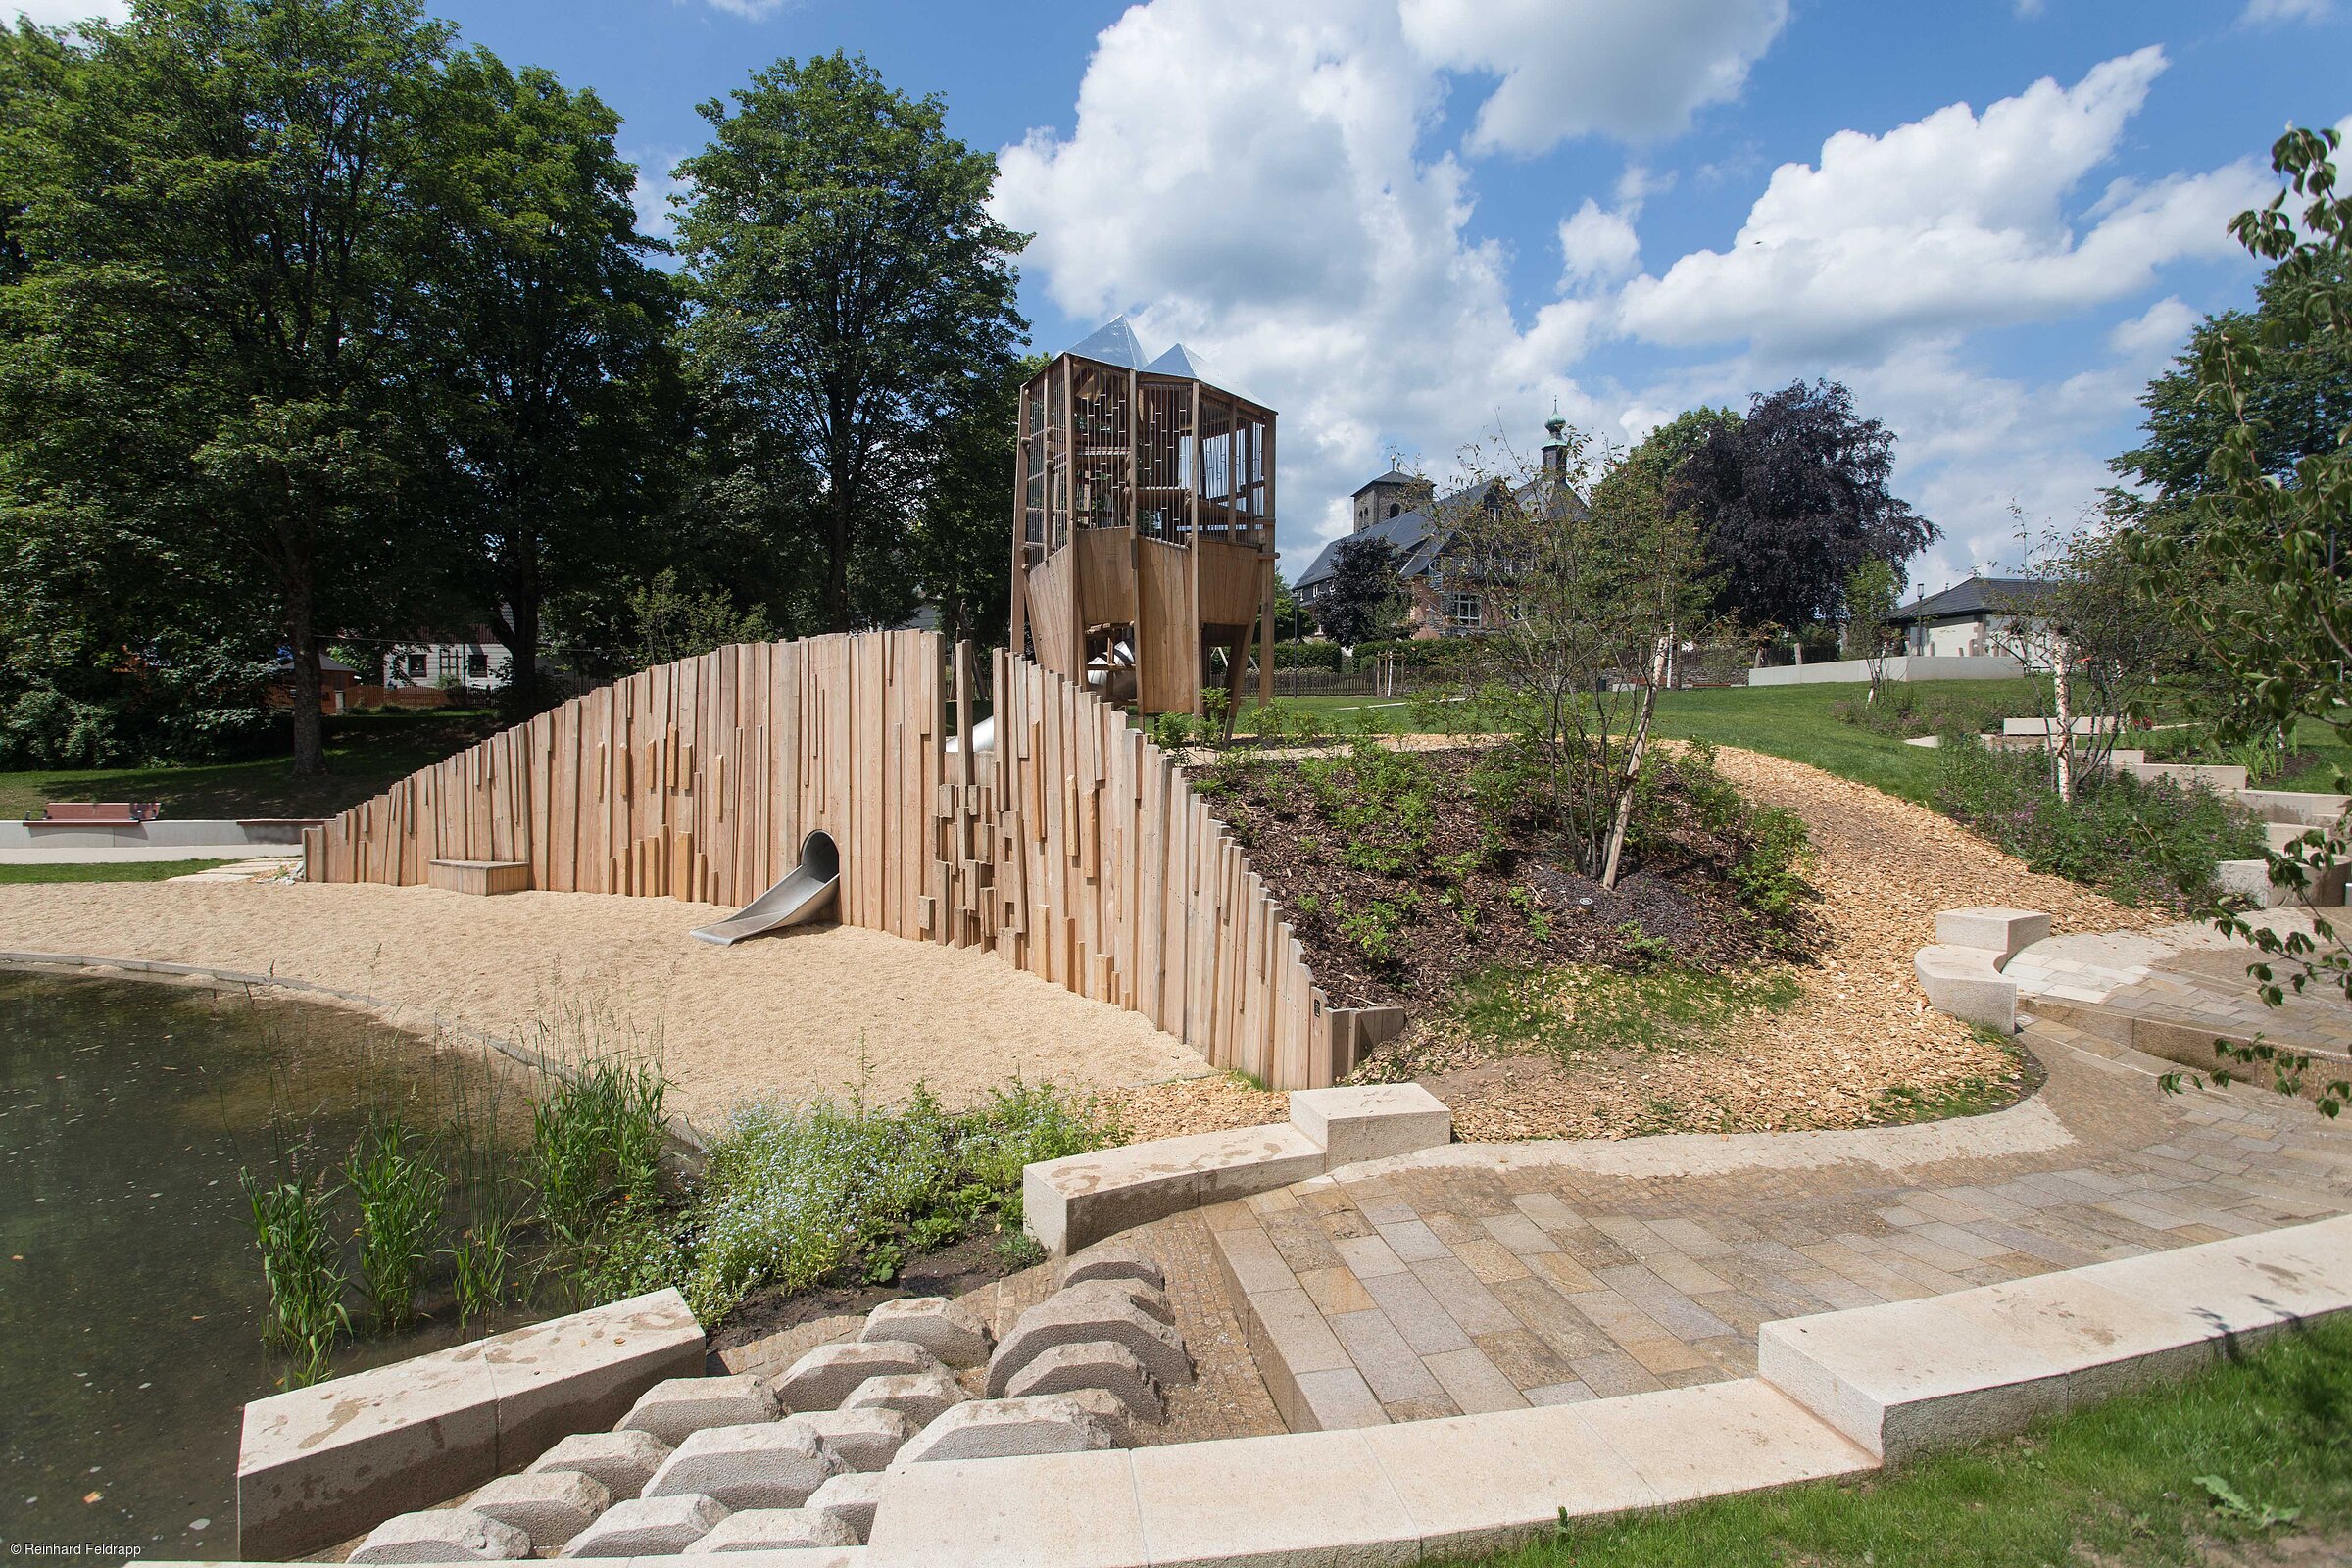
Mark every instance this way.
x=1440 y=927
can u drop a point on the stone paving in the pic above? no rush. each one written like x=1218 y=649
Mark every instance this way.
x=1484 y=1277
x=2173 y=976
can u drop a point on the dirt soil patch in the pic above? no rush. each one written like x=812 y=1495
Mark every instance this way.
x=1470 y=889
x=952 y=1270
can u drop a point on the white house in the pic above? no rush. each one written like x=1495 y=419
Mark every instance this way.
x=473 y=659
x=1966 y=620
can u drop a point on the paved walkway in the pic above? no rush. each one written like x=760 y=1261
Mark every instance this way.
x=1482 y=1277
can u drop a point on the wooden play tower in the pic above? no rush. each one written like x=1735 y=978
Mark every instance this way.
x=1143 y=537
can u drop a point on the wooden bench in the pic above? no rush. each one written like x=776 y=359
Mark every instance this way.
x=481 y=878
x=98 y=813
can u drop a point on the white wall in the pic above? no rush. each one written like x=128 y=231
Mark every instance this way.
x=1992 y=667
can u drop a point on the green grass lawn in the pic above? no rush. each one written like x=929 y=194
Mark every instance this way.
x=364 y=753
x=2135 y=1482
x=1798 y=722
x=104 y=871
x=1791 y=721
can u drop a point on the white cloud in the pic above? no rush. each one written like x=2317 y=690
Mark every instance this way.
x=2264 y=13
x=2028 y=7
x=1949 y=222
x=2160 y=331
x=1245 y=177
x=1597 y=247
x=66 y=12
x=1570 y=68
x=657 y=183
x=749 y=9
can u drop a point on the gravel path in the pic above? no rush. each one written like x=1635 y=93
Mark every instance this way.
x=793 y=1016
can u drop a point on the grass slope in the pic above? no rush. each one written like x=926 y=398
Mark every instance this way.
x=364 y=753
x=2118 y=1486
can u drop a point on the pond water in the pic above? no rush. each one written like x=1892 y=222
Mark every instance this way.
x=130 y=1294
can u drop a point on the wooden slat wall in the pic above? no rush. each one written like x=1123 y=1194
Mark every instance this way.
x=1073 y=850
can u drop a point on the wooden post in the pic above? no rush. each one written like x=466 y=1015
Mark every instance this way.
x=1017 y=638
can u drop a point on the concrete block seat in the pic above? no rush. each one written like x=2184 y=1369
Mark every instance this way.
x=649 y=1527
x=678 y=1408
x=829 y=1374
x=2003 y=932
x=771 y=1464
x=1074 y=1202
x=443 y=1535
x=551 y=1506
x=1968 y=984
x=1091 y=1314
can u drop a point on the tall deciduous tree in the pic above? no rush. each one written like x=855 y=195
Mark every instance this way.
x=548 y=384
x=223 y=230
x=1365 y=595
x=2296 y=404
x=1790 y=499
x=853 y=297
x=960 y=552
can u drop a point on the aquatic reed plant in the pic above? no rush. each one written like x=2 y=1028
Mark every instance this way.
x=597 y=1137
x=293 y=1226
x=401 y=1192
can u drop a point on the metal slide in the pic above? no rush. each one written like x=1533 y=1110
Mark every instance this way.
x=806 y=891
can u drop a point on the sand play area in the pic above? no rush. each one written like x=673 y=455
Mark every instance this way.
x=790 y=1015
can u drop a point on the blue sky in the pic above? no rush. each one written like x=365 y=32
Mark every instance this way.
x=1410 y=224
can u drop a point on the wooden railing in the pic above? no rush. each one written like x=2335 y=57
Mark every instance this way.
x=1072 y=847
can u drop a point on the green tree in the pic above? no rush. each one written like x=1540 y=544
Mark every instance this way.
x=852 y=299
x=222 y=230
x=2295 y=406
x=1871 y=591
x=1586 y=603
x=2276 y=539
x=553 y=394
x=962 y=536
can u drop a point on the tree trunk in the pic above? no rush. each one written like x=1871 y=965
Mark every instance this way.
x=1633 y=764
x=523 y=649
x=837 y=563
x=302 y=638
x=2062 y=693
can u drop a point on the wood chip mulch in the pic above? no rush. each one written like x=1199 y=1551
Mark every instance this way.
x=1861 y=1027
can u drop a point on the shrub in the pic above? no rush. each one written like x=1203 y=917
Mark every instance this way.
x=1760 y=849
x=1907 y=710
x=1307 y=655
x=1383 y=802
x=792 y=1195
x=2136 y=839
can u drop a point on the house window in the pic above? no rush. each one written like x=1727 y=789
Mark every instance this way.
x=1394 y=509
x=449 y=663
x=477 y=664
x=1462 y=610
x=412 y=665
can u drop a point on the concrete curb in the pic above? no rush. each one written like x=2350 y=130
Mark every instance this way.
x=1073 y=1202
x=322 y=1464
